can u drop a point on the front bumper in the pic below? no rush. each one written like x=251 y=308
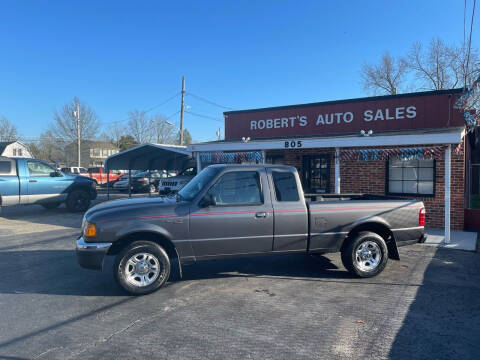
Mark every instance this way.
x=91 y=255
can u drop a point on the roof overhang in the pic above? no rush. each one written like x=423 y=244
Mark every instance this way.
x=450 y=136
x=150 y=156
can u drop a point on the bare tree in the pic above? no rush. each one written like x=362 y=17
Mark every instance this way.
x=64 y=125
x=139 y=126
x=8 y=131
x=49 y=148
x=386 y=77
x=162 y=129
x=442 y=66
x=114 y=133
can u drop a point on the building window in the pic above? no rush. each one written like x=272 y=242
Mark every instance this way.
x=411 y=177
x=14 y=152
x=19 y=152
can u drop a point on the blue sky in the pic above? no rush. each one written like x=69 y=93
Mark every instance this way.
x=118 y=56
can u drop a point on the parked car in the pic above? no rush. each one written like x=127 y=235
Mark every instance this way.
x=243 y=210
x=32 y=181
x=75 y=170
x=99 y=175
x=141 y=181
x=172 y=185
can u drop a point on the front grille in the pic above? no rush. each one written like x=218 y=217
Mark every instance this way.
x=169 y=183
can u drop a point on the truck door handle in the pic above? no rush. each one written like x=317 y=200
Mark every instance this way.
x=261 y=214
x=32 y=180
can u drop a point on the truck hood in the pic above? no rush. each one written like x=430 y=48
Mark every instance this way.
x=120 y=205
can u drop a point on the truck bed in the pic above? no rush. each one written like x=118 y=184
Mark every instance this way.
x=348 y=197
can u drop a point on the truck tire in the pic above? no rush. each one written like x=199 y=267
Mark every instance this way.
x=366 y=254
x=78 y=200
x=142 y=267
x=51 y=206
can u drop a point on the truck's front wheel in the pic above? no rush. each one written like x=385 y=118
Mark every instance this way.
x=366 y=255
x=142 y=267
x=78 y=200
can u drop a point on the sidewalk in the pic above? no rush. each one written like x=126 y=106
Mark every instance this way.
x=461 y=240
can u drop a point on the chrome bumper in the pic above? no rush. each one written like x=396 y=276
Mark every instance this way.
x=91 y=255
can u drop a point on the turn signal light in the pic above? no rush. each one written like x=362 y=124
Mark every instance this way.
x=421 y=217
x=91 y=230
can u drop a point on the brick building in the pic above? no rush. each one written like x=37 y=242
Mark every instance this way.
x=401 y=145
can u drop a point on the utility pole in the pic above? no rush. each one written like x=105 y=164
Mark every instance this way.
x=181 y=110
x=76 y=113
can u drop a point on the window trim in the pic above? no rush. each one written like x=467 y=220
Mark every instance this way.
x=262 y=198
x=387 y=182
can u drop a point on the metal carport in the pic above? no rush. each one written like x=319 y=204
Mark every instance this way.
x=147 y=157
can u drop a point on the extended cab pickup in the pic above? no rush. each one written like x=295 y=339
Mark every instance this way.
x=243 y=210
x=32 y=181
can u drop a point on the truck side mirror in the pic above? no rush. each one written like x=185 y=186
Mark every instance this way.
x=208 y=200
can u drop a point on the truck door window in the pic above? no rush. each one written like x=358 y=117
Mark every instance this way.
x=237 y=188
x=36 y=168
x=285 y=186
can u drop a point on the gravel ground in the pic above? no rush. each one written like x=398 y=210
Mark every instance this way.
x=282 y=307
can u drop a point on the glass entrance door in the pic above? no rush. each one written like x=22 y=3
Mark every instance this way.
x=316 y=174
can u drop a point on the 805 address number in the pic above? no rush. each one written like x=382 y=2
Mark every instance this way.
x=293 y=144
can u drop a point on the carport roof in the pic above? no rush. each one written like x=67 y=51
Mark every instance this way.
x=149 y=156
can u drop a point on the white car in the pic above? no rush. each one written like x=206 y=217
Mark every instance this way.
x=172 y=184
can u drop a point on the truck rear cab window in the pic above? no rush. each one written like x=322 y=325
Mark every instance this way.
x=285 y=186
x=6 y=167
x=237 y=188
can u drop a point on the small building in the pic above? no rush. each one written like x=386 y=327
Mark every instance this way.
x=410 y=145
x=14 y=149
x=93 y=153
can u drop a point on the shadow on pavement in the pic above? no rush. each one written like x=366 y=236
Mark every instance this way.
x=443 y=322
x=52 y=272
x=57 y=272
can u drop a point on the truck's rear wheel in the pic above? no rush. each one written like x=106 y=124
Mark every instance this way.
x=78 y=200
x=366 y=255
x=142 y=267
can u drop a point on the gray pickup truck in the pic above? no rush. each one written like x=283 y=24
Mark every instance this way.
x=244 y=210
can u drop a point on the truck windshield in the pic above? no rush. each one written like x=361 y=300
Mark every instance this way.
x=189 y=191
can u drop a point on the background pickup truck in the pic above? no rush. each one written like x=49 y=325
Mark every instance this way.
x=31 y=181
x=232 y=210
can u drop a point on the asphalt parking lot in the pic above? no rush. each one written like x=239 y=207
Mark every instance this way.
x=286 y=307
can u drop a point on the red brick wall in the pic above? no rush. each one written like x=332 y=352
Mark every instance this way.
x=370 y=177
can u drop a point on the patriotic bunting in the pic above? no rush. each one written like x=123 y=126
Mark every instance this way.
x=231 y=158
x=417 y=153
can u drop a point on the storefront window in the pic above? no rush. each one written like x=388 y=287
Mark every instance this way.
x=411 y=177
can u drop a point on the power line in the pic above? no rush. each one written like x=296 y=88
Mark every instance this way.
x=209 y=101
x=145 y=111
x=470 y=37
x=204 y=116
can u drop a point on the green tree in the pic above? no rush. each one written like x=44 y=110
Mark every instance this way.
x=187 y=137
x=127 y=142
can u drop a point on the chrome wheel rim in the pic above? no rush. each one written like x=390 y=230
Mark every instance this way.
x=368 y=256
x=142 y=269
